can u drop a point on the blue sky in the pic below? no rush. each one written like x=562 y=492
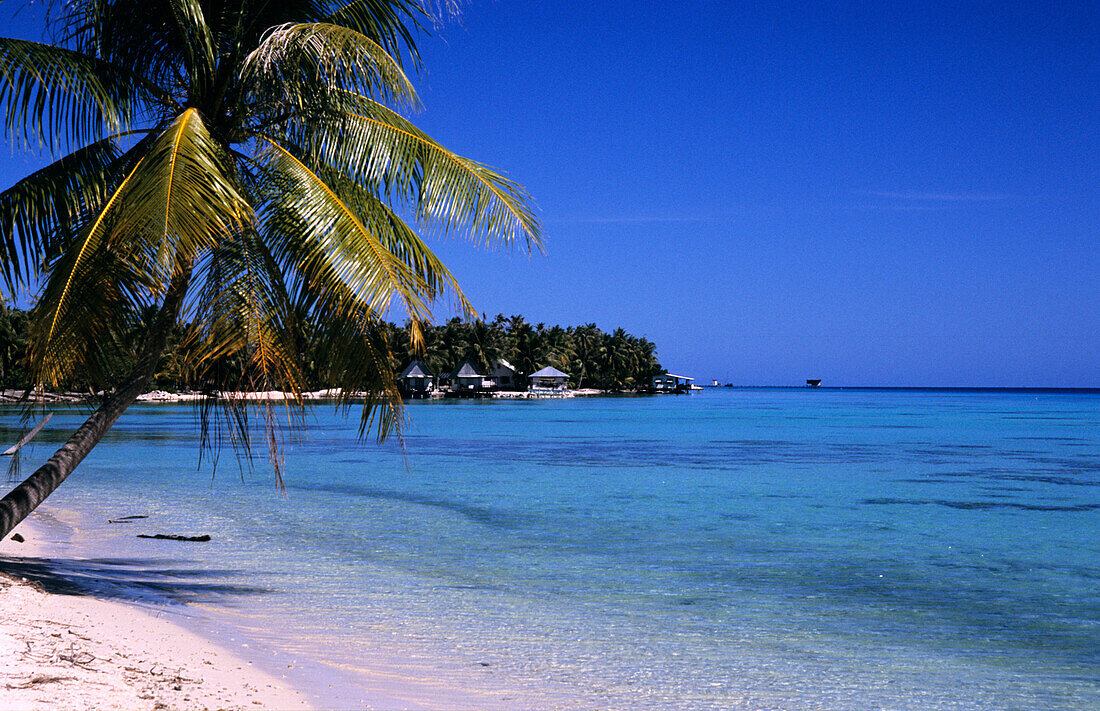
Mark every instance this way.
x=867 y=193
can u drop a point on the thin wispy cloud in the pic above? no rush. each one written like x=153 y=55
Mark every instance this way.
x=909 y=207
x=913 y=196
x=632 y=220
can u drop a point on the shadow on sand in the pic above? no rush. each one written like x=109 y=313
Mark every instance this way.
x=164 y=580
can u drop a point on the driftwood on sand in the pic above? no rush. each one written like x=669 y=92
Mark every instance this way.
x=165 y=537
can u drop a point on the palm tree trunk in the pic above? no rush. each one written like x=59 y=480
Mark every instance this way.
x=26 y=497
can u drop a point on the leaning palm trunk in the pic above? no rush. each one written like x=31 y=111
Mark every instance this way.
x=25 y=498
x=244 y=168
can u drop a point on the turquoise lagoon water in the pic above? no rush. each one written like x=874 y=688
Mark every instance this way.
x=755 y=548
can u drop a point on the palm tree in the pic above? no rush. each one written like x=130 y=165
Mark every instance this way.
x=587 y=340
x=559 y=348
x=453 y=344
x=484 y=345
x=243 y=168
x=621 y=359
x=526 y=348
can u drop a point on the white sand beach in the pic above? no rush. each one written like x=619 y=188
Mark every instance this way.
x=64 y=651
x=65 y=646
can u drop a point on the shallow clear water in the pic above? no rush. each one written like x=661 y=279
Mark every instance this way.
x=758 y=548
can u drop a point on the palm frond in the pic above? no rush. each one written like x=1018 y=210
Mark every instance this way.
x=299 y=66
x=53 y=95
x=377 y=147
x=140 y=36
x=196 y=44
x=182 y=199
x=353 y=356
x=401 y=241
x=47 y=203
x=331 y=240
x=175 y=202
x=243 y=309
x=387 y=22
x=84 y=339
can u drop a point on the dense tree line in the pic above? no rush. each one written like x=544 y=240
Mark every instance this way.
x=591 y=357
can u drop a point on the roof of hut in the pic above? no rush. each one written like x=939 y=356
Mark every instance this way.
x=416 y=369
x=549 y=372
x=466 y=369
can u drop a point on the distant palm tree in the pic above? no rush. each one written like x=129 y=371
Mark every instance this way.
x=558 y=348
x=526 y=344
x=454 y=344
x=239 y=167
x=484 y=346
x=622 y=359
x=587 y=340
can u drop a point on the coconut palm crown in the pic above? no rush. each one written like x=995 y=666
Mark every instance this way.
x=243 y=168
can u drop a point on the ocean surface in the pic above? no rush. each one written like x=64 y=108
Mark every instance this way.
x=734 y=548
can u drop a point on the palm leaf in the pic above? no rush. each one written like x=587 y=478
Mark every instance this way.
x=401 y=241
x=135 y=35
x=387 y=22
x=175 y=202
x=56 y=94
x=377 y=147
x=182 y=199
x=48 y=202
x=331 y=238
x=196 y=44
x=302 y=65
x=244 y=308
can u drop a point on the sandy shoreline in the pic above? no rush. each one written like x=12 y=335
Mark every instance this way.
x=162 y=396
x=15 y=396
x=72 y=640
x=77 y=651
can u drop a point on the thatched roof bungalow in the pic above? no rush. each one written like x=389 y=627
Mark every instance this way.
x=416 y=379
x=549 y=378
x=467 y=377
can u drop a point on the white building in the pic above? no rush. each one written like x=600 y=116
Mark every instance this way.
x=503 y=375
x=669 y=383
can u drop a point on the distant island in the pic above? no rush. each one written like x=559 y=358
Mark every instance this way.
x=511 y=351
x=506 y=350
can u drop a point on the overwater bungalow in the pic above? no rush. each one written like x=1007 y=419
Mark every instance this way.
x=549 y=378
x=670 y=383
x=466 y=379
x=416 y=381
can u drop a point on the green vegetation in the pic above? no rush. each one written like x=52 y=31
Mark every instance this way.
x=592 y=358
x=243 y=169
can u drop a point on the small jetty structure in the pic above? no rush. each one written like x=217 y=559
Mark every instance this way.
x=813 y=383
x=416 y=381
x=672 y=383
